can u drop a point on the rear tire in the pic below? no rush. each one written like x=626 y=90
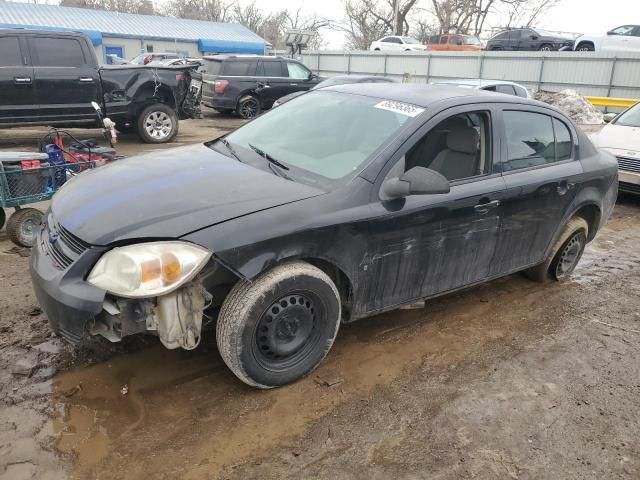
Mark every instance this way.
x=277 y=328
x=22 y=227
x=565 y=253
x=248 y=107
x=157 y=123
x=3 y=218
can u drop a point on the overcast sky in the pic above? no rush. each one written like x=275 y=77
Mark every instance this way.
x=584 y=16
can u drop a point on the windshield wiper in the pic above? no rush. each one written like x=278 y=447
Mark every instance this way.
x=268 y=157
x=226 y=143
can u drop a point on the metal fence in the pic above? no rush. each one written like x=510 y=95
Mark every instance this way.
x=589 y=73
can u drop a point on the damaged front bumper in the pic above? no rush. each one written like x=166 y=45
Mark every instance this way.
x=77 y=309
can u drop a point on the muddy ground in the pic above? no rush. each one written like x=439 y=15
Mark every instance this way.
x=511 y=379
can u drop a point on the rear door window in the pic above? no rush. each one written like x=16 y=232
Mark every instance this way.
x=57 y=52
x=269 y=68
x=535 y=139
x=10 y=55
x=240 y=68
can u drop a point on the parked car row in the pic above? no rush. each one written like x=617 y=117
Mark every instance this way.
x=625 y=38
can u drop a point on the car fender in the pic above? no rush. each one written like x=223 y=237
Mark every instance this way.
x=588 y=197
x=596 y=40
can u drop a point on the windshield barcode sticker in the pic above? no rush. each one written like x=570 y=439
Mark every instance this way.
x=399 y=107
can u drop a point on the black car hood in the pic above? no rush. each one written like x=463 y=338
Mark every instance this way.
x=168 y=194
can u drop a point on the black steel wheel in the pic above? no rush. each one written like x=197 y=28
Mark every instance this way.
x=569 y=255
x=564 y=254
x=286 y=331
x=277 y=328
x=248 y=107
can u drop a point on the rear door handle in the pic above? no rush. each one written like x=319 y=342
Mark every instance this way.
x=564 y=186
x=484 y=207
x=22 y=80
x=86 y=79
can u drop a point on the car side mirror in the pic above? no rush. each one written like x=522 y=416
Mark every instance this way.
x=609 y=117
x=534 y=37
x=610 y=32
x=312 y=76
x=416 y=181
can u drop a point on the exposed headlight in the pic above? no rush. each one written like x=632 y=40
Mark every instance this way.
x=148 y=269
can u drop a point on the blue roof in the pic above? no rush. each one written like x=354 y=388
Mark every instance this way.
x=97 y=23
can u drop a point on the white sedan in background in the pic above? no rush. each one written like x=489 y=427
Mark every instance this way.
x=398 y=44
x=621 y=138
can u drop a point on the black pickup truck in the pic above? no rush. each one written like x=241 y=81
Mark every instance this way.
x=51 y=78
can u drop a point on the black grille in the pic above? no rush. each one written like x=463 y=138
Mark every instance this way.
x=629 y=164
x=629 y=188
x=60 y=245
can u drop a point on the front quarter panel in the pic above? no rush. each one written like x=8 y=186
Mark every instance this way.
x=331 y=227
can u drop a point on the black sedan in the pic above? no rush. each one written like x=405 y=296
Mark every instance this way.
x=337 y=80
x=528 y=39
x=373 y=197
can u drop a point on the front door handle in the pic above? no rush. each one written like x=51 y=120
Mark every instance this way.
x=22 y=80
x=485 y=206
x=86 y=79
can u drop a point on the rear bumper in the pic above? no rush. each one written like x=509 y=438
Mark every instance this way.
x=65 y=297
x=218 y=102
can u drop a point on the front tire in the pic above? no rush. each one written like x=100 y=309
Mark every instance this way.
x=157 y=123
x=546 y=48
x=277 y=328
x=585 y=47
x=22 y=227
x=565 y=253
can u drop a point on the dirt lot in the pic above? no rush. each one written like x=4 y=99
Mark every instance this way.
x=508 y=380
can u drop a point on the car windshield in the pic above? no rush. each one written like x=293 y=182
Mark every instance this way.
x=470 y=41
x=410 y=40
x=630 y=118
x=324 y=138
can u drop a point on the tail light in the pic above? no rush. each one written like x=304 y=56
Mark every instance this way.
x=219 y=86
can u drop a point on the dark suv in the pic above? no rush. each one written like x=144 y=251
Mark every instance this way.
x=247 y=84
x=529 y=39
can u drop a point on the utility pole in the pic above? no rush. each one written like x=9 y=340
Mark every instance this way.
x=396 y=14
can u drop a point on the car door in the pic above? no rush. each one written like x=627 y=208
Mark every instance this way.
x=276 y=80
x=523 y=40
x=66 y=78
x=17 y=96
x=423 y=245
x=455 y=42
x=541 y=175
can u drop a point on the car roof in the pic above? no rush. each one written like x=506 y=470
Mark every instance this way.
x=424 y=95
x=476 y=82
x=355 y=77
x=228 y=56
x=18 y=30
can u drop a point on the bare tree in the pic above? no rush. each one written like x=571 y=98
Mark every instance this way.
x=210 y=10
x=525 y=13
